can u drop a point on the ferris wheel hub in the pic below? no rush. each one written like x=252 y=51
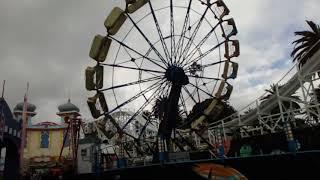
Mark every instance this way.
x=176 y=75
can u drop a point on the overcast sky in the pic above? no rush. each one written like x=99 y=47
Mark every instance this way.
x=46 y=43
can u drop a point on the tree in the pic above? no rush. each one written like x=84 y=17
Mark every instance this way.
x=287 y=104
x=222 y=110
x=160 y=109
x=307 y=40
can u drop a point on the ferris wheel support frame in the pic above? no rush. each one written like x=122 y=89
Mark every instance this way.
x=175 y=71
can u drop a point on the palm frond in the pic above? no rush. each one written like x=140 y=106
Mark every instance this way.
x=301 y=40
x=300 y=47
x=296 y=97
x=313 y=26
x=303 y=44
x=265 y=97
x=305 y=33
x=299 y=56
x=270 y=91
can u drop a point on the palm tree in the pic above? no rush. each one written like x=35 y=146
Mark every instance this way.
x=307 y=40
x=160 y=109
x=286 y=104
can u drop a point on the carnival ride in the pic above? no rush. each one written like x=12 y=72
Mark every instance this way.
x=302 y=80
x=171 y=63
x=165 y=70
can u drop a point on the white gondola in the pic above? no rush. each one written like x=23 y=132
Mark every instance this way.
x=94 y=77
x=226 y=24
x=133 y=6
x=100 y=48
x=232 y=49
x=115 y=20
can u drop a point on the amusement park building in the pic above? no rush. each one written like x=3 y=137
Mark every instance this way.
x=43 y=145
x=43 y=141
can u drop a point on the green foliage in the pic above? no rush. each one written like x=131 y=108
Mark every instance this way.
x=306 y=41
x=287 y=104
x=198 y=109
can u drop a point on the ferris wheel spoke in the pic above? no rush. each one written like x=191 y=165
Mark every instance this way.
x=197 y=90
x=189 y=94
x=147 y=40
x=193 y=35
x=203 y=54
x=183 y=103
x=133 y=83
x=132 y=68
x=149 y=120
x=145 y=126
x=205 y=85
x=179 y=53
x=200 y=89
x=164 y=45
x=135 y=51
x=173 y=42
x=203 y=67
x=128 y=61
x=153 y=86
x=212 y=64
x=117 y=126
x=135 y=59
x=194 y=50
x=140 y=72
x=203 y=77
x=148 y=101
x=183 y=31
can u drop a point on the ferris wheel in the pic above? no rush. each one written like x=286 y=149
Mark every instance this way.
x=169 y=60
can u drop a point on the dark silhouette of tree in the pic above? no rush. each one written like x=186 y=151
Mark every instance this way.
x=159 y=108
x=222 y=110
x=227 y=111
x=287 y=104
x=307 y=40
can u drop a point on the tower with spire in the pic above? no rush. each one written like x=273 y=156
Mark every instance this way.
x=18 y=112
x=70 y=114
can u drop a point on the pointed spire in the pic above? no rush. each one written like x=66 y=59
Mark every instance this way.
x=69 y=95
x=68 y=107
x=3 y=85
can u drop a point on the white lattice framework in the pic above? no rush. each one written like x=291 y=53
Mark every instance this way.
x=256 y=118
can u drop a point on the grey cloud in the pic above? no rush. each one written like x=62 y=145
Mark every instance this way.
x=47 y=44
